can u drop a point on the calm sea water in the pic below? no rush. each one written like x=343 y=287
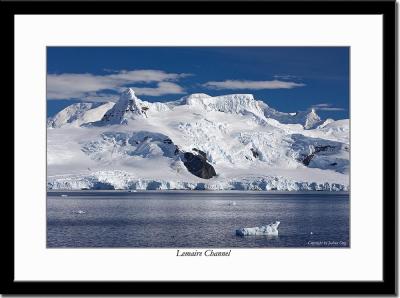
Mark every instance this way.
x=195 y=219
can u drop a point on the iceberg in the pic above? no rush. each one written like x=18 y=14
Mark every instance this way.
x=271 y=229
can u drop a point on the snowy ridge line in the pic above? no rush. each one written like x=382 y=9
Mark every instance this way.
x=108 y=180
x=79 y=113
x=130 y=106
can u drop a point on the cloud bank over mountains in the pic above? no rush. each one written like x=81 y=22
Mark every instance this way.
x=252 y=85
x=148 y=82
x=80 y=85
x=326 y=107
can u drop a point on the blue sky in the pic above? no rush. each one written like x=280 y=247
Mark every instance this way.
x=287 y=78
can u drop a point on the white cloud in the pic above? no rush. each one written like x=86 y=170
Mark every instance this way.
x=322 y=105
x=161 y=89
x=331 y=109
x=254 y=85
x=285 y=77
x=73 y=85
x=99 y=97
x=326 y=107
x=147 y=76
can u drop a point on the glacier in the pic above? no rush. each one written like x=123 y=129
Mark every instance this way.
x=198 y=142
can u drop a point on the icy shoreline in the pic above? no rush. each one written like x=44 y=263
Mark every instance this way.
x=72 y=192
x=123 y=181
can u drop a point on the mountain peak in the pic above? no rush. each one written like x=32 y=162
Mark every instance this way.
x=192 y=98
x=129 y=100
x=232 y=103
x=129 y=92
x=312 y=119
x=127 y=107
x=198 y=95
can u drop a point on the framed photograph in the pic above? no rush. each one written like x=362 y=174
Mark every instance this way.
x=201 y=148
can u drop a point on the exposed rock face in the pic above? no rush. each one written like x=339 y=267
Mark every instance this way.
x=321 y=153
x=202 y=153
x=198 y=165
x=308 y=158
x=127 y=107
x=254 y=152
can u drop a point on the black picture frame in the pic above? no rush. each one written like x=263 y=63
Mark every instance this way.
x=385 y=8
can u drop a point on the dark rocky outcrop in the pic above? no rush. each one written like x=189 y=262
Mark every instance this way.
x=202 y=153
x=323 y=148
x=254 y=152
x=198 y=165
x=308 y=158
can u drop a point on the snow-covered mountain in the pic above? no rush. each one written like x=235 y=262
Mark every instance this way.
x=196 y=142
x=78 y=114
x=308 y=119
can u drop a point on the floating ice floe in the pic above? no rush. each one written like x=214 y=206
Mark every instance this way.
x=271 y=229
